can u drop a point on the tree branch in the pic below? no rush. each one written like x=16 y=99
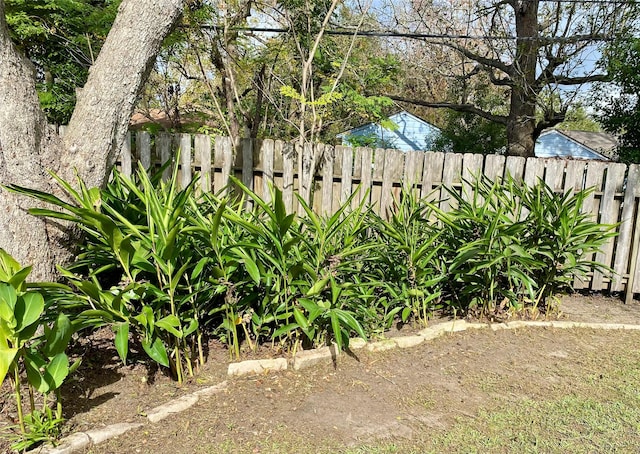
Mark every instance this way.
x=469 y=108
x=579 y=80
x=485 y=61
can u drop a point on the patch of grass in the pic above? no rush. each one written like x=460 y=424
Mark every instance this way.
x=570 y=424
x=596 y=411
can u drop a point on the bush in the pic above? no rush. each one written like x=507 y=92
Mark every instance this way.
x=171 y=267
x=510 y=246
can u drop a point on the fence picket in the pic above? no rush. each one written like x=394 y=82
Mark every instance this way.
x=346 y=172
x=267 y=168
x=185 y=176
x=494 y=166
x=125 y=157
x=202 y=145
x=163 y=148
x=451 y=178
x=143 y=148
x=626 y=230
x=289 y=159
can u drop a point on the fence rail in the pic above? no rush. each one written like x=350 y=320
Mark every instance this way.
x=382 y=174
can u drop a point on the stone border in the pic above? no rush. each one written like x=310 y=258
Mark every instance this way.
x=302 y=360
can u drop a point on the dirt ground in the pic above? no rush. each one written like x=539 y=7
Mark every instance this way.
x=364 y=398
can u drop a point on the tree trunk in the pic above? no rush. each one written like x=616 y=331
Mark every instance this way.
x=522 y=112
x=96 y=132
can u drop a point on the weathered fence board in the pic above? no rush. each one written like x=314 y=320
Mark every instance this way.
x=379 y=175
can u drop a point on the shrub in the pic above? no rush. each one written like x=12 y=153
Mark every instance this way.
x=509 y=246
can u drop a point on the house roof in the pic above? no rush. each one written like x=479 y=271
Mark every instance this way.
x=600 y=142
x=410 y=133
x=576 y=144
x=396 y=118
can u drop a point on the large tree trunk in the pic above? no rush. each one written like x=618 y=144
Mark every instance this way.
x=97 y=130
x=521 y=122
x=27 y=147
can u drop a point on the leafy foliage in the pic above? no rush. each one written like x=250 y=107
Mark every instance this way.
x=29 y=341
x=160 y=265
x=621 y=113
x=510 y=246
x=62 y=39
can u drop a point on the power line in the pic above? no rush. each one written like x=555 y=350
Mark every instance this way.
x=428 y=36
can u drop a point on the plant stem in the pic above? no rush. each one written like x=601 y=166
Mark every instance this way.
x=200 y=352
x=16 y=377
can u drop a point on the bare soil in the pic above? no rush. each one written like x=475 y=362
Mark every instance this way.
x=363 y=398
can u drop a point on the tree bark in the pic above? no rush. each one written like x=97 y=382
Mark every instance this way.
x=100 y=120
x=521 y=124
x=97 y=130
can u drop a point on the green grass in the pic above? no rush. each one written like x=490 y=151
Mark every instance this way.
x=601 y=414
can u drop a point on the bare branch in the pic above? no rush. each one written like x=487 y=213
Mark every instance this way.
x=580 y=80
x=469 y=108
x=485 y=61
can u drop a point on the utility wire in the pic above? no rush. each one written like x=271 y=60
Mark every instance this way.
x=427 y=36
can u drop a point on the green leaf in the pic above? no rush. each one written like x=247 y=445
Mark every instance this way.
x=406 y=312
x=156 y=351
x=191 y=327
x=29 y=308
x=284 y=330
x=122 y=341
x=8 y=266
x=252 y=268
x=318 y=286
x=7 y=355
x=8 y=298
x=58 y=336
x=35 y=365
x=171 y=324
x=17 y=280
x=300 y=318
x=335 y=326
x=197 y=270
x=56 y=371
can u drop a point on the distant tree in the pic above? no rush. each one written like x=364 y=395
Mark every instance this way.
x=620 y=111
x=577 y=119
x=524 y=47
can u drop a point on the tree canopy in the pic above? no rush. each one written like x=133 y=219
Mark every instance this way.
x=620 y=111
x=62 y=38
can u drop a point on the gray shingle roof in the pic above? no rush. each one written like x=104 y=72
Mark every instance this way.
x=601 y=142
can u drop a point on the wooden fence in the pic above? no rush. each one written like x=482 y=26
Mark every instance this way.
x=341 y=170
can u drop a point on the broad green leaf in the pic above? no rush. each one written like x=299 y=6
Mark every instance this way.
x=8 y=266
x=197 y=270
x=122 y=341
x=406 y=312
x=29 y=308
x=171 y=324
x=300 y=318
x=7 y=355
x=58 y=336
x=318 y=286
x=17 y=280
x=56 y=371
x=191 y=327
x=34 y=365
x=284 y=329
x=252 y=268
x=8 y=298
x=156 y=351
